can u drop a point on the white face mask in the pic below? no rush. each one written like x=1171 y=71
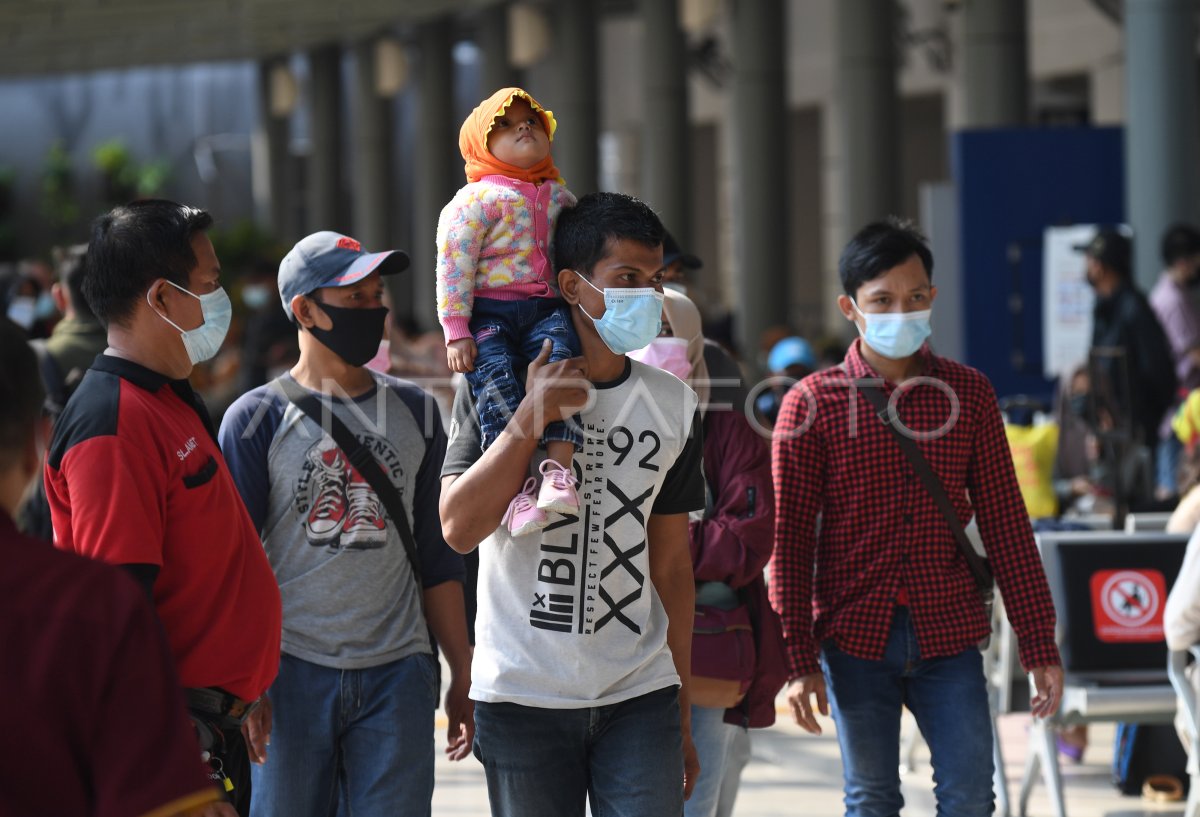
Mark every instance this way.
x=256 y=296
x=21 y=311
x=203 y=342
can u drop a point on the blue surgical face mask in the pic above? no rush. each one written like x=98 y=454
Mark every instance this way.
x=632 y=316
x=203 y=342
x=895 y=335
x=256 y=296
x=45 y=307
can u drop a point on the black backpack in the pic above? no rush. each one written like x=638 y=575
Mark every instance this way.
x=1145 y=749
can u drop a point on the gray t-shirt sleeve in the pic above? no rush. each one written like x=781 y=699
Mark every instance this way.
x=464 y=446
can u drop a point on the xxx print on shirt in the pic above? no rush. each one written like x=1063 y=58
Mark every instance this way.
x=584 y=584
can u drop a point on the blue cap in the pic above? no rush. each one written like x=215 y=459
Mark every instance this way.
x=790 y=352
x=329 y=259
x=672 y=252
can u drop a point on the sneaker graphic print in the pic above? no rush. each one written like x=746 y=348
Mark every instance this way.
x=339 y=508
x=326 y=472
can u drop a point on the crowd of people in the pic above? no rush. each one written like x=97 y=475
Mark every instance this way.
x=620 y=554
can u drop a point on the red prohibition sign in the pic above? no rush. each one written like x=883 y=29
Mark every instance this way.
x=1127 y=605
x=1129 y=598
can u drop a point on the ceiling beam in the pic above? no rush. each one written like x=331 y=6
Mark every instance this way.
x=67 y=36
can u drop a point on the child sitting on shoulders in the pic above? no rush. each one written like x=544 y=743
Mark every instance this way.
x=496 y=297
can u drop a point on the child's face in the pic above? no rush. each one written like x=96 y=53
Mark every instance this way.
x=518 y=137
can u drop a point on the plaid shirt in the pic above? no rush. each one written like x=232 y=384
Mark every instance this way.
x=881 y=533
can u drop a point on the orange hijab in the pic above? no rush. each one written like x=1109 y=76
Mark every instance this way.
x=472 y=140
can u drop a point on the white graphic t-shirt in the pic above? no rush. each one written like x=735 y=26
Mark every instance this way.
x=568 y=616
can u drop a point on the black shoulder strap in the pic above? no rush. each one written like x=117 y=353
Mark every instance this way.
x=361 y=458
x=979 y=567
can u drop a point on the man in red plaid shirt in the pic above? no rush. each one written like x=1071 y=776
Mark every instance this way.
x=891 y=615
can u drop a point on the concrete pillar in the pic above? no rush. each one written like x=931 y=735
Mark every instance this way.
x=576 y=104
x=995 y=59
x=760 y=147
x=326 y=210
x=439 y=170
x=372 y=155
x=1162 y=166
x=273 y=188
x=666 y=143
x=867 y=113
x=491 y=35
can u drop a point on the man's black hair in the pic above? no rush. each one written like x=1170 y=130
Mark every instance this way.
x=70 y=268
x=263 y=269
x=314 y=295
x=134 y=245
x=23 y=285
x=21 y=392
x=879 y=247
x=1180 y=241
x=585 y=231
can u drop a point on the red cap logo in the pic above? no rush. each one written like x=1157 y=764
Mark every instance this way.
x=345 y=243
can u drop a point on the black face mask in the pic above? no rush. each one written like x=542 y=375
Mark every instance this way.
x=355 y=334
x=1077 y=405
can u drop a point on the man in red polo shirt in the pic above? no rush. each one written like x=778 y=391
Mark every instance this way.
x=81 y=651
x=135 y=478
x=891 y=616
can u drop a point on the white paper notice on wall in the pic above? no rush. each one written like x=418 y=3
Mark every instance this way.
x=1067 y=299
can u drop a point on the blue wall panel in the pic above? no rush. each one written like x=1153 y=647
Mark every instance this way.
x=1012 y=184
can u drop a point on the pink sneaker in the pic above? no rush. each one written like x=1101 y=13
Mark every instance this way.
x=558 y=489
x=523 y=515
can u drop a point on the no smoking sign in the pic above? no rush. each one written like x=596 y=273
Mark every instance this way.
x=1127 y=605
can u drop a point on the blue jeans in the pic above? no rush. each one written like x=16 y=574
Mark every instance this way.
x=948 y=697
x=362 y=736
x=713 y=739
x=735 y=764
x=507 y=335
x=626 y=757
x=1166 y=464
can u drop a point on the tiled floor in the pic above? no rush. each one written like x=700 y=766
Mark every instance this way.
x=796 y=775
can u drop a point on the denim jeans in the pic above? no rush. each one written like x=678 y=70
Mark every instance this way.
x=735 y=764
x=364 y=737
x=713 y=739
x=626 y=757
x=509 y=334
x=1166 y=464
x=948 y=697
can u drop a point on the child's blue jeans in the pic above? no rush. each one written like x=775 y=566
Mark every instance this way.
x=509 y=334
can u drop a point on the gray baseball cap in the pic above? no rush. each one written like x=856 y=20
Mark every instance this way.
x=329 y=259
